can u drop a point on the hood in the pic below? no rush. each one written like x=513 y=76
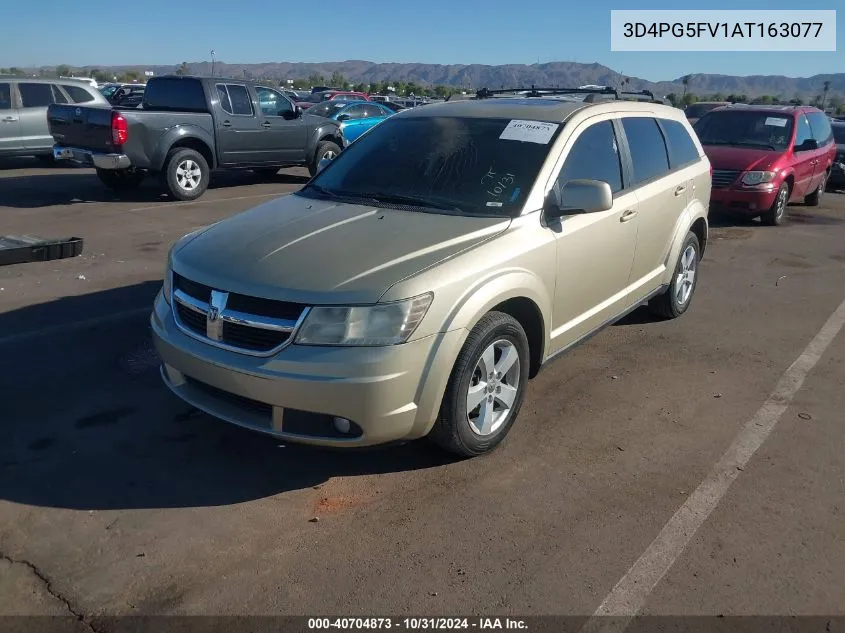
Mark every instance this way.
x=742 y=158
x=322 y=252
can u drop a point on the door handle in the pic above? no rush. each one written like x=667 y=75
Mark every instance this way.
x=266 y=124
x=226 y=124
x=680 y=189
x=630 y=214
x=10 y=119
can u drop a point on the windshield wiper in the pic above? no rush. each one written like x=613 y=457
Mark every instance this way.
x=766 y=145
x=395 y=198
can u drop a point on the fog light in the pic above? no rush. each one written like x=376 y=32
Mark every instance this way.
x=342 y=425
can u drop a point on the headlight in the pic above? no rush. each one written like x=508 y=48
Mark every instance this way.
x=757 y=177
x=380 y=324
x=168 y=281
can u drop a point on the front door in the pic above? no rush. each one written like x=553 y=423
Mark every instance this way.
x=804 y=159
x=352 y=122
x=238 y=131
x=10 y=131
x=594 y=250
x=284 y=134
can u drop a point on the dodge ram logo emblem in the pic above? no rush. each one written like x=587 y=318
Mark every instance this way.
x=78 y=112
x=213 y=322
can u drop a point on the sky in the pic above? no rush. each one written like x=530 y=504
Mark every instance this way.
x=161 y=32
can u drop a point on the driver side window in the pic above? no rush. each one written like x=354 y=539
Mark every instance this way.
x=803 y=133
x=272 y=103
x=595 y=156
x=355 y=112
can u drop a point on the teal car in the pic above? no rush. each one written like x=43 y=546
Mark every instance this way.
x=355 y=117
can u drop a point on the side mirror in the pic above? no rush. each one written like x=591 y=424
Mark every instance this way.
x=298 y=111
x=343 y=117
x=807 y=146
x=579 y=196
x=323 y=164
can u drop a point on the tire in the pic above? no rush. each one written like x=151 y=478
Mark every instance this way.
x=678 y=296
x=323 y=148
x=186 y=174
x=121 y=179
x=815 y=198
x=776 y=215
x=463 y=432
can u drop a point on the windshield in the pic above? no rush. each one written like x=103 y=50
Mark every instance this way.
x=697 y=110
x=839 y=134
x=327 y=109
x=764 y=130
x=442 y=164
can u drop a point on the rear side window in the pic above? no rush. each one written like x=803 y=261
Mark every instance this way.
x=5 y=96
x=35 y=95
x=78 y=94
x=648 y=150
x=58 y=97
x=682 y=149
x=372 y=111
x=171 y=93
x=820 y=125
x=239 y=99
x=594 y=155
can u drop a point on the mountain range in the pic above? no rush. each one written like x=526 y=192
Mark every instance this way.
x=513 y=75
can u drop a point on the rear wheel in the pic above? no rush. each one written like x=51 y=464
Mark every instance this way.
x=325 y=149
x=186 y=174
x=815 y=198
x=120 y=179
x=776 y=215
x=486 y=387
x=678 y=296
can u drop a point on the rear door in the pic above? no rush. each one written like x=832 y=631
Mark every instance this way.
x=661 y=198
x=238 y=131
x=10 y=134
x=283 y=133
x=803 y=159
x=824 y=155
x=35 y=97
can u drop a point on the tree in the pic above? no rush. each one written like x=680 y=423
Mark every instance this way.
x=337 y=80
x=825 y=90
x=689 y=98
x=412 y=88
x=673 y=99
x=14 y=70
x=63 y=70
x=361 y=87
x=316 y=79
x=685 y=81
x=183 y=69
x=835 y=103
x=841 y=109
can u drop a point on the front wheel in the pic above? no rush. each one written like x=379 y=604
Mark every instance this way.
x=776 y=215
x=486 y=387
x=120 y=179
x=186 y=174
x=677 y=297
x=326 y=149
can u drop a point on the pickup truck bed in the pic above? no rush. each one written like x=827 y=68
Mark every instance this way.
x=207 y=123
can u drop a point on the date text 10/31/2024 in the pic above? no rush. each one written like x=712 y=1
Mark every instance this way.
x=415 y=624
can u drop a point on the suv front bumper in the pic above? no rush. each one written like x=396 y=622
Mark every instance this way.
x=386 y=393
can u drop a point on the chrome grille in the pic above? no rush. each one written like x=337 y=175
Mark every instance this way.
x=252 y=325
x=723 y=178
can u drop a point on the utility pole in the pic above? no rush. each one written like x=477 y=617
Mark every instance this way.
x=212 y=62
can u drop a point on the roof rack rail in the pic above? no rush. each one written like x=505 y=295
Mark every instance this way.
x=533 y=91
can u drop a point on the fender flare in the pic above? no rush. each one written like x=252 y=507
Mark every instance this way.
x=176 y=134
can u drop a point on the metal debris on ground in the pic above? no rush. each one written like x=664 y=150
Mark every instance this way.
x=777 y=283
x=805 y=416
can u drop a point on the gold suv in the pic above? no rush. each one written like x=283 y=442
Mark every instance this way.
x=419 y=280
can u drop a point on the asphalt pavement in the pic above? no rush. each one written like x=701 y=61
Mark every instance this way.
x=116 y=498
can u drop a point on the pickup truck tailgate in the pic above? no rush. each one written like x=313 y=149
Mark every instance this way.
x=85 y=127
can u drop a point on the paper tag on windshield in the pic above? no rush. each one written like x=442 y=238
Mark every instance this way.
x=776 y=121
x=529 y=131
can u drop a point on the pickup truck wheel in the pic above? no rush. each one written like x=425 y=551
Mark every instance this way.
x=486 y=387
x=186 y=174
x=326 y=149
x=678 y=296
x=120 y=179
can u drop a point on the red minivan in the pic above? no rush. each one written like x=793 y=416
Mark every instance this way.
x=766 y=156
